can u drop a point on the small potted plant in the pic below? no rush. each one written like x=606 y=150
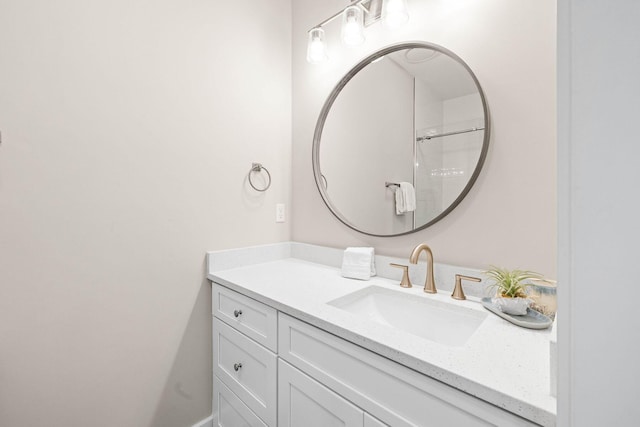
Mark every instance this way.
x=511 y=289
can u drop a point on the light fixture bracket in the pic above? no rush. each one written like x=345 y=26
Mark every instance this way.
x=373 y=11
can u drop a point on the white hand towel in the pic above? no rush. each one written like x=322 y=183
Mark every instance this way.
x=400 y=203
x=358 y=263
x=409 y=194
x=405 y=198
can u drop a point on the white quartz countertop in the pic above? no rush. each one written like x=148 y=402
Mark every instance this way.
x=501 y=363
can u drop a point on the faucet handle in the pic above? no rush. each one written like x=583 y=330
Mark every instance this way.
x=458 y=293
x=405 y=282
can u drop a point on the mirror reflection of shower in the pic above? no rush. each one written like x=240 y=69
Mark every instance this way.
x=449 y=130
x=445 y=161
x=414 y=114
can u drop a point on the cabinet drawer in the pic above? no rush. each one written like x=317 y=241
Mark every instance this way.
x=247 y=368
x=304 y=402
x=393 y=393
x=256 y=320
x=229 y=410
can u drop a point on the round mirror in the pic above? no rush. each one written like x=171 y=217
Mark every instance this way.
x=401 y=140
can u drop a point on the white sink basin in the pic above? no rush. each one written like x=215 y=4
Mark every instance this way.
x=425 y=317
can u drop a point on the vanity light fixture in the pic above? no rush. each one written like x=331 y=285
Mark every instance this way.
x=352 y=26
x=316 y=47
x=355 y=17
x=394 y=13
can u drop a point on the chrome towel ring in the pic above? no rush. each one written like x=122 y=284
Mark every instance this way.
x=257 y=167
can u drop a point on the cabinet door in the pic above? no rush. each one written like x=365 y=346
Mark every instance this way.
x=304 y=402
x=229 y=410
x=369 y=421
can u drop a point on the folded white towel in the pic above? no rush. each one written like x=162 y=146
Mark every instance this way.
x=358 y=263
x=405 y=198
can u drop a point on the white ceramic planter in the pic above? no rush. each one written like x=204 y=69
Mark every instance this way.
x=515 y=306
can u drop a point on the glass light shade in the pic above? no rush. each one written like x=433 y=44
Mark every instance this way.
x=394 y=13
x=352 y=26
x=316 y=47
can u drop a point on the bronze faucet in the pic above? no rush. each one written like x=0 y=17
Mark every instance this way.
x=429 y=283
x=458 y=292
x=406 y=282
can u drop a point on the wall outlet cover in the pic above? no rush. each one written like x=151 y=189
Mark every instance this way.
x=280 y=212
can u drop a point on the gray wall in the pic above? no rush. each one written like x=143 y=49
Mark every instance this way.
x=128 y=129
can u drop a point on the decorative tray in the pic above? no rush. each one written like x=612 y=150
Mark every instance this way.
x=532 y=320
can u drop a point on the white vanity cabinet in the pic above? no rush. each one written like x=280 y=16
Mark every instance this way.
x=244 y=360
x=302 y=401
x=369 y=421
x=395 y=394
x=252 y=318
x=313 y=378
x=230 y=410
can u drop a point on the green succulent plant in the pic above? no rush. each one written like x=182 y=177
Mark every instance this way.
x=511 y=283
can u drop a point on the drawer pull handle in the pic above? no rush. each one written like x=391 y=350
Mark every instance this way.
x=237 y=313
x=237 y=366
